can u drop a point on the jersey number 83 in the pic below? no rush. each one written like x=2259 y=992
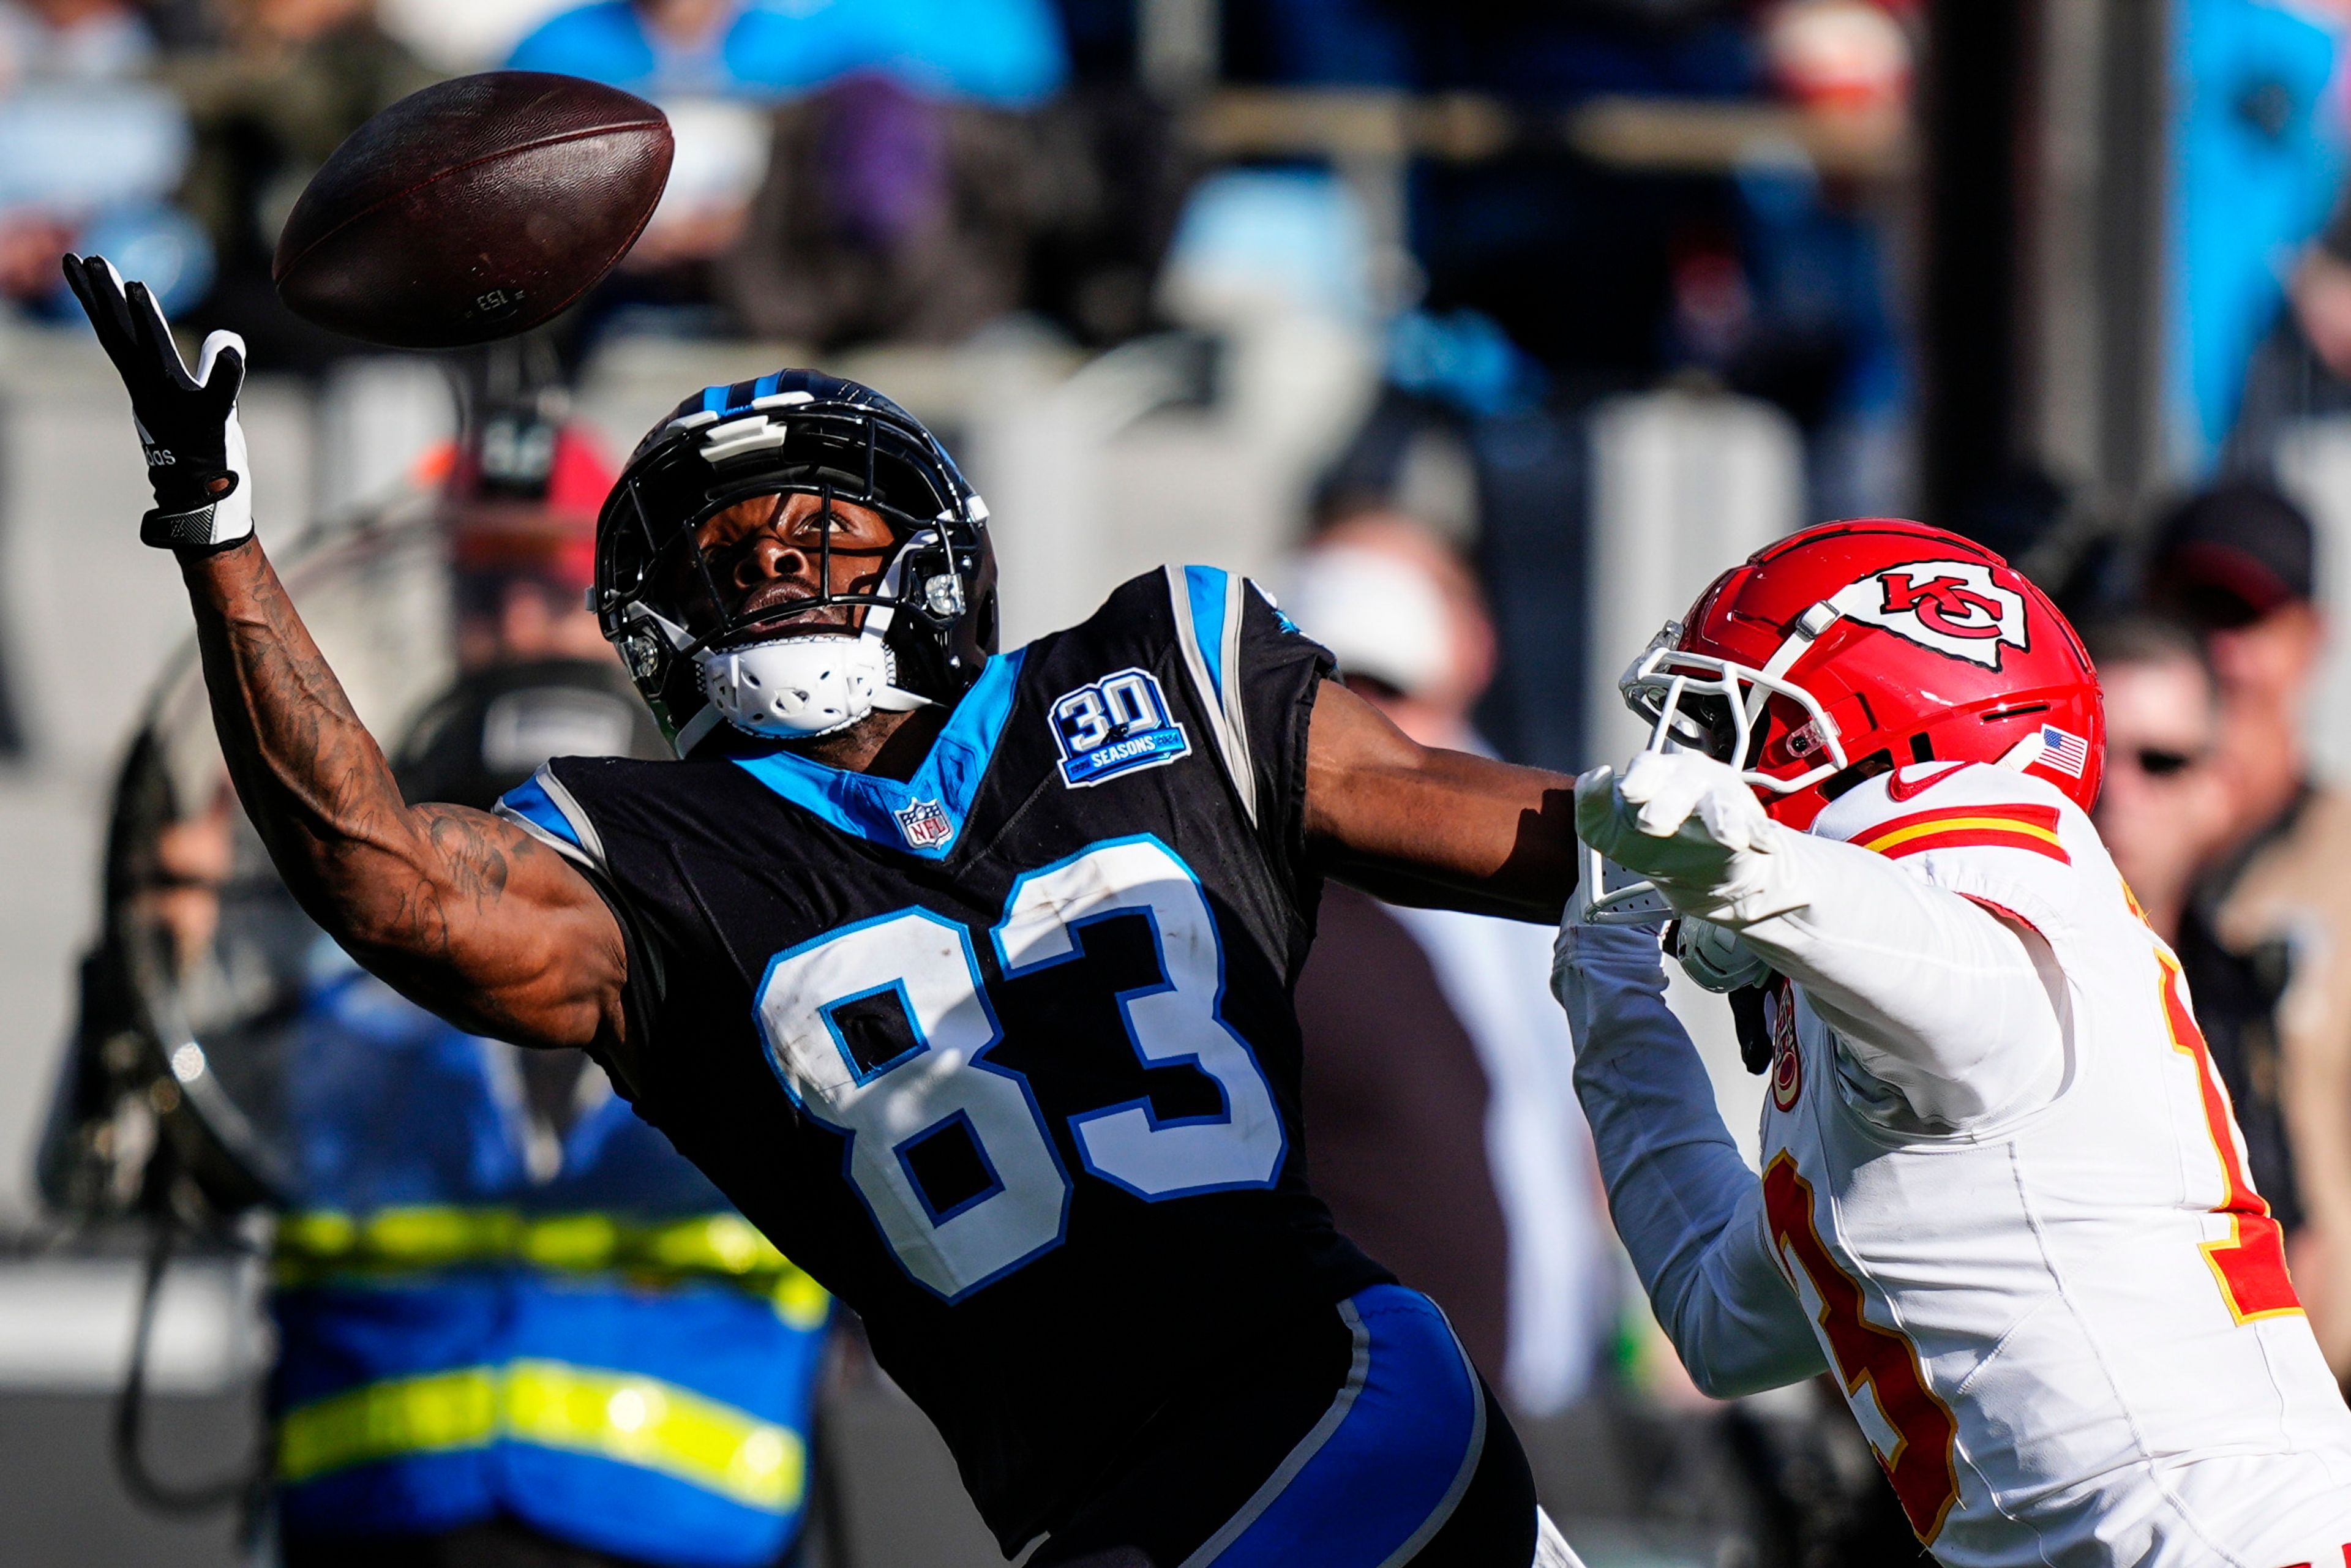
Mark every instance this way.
x=914 y=975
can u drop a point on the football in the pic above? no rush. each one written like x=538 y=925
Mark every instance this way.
x=472 y=210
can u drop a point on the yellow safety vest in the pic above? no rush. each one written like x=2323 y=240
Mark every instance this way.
x=625 y=1416
x=327 y=1246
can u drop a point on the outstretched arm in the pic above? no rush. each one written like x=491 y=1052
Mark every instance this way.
x=1421 y=825
x=1954 y=1006
x=462 y=912
x=1689 y=1210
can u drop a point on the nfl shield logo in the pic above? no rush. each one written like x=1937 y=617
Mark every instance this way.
x=925 y=825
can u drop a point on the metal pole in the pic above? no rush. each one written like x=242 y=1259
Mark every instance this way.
x=1177 y=49
x=2130 y=250
x=1975 y=109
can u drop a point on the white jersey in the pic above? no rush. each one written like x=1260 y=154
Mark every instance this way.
x=2070 y=1335
x=2065 y=1324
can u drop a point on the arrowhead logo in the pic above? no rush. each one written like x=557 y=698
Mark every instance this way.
x=1787 y=1061
x=1951 y=606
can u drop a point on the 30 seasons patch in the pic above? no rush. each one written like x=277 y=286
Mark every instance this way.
x=1113 y=726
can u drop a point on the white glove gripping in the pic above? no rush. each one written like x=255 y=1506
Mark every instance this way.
x=196 y=460
x=1927 y=993
x=1693 y=827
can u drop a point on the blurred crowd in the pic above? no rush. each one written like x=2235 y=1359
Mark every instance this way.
x=854 y=173
x=853 y=170
x=2238 y=851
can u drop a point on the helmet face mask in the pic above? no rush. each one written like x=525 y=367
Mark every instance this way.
x=925 y=614
x=1697 y=702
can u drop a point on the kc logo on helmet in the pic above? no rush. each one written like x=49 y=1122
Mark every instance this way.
x=1951 y=606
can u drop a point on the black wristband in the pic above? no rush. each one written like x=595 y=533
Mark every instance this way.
x=177 y=530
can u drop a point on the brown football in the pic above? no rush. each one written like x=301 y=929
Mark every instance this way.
x=472 y=210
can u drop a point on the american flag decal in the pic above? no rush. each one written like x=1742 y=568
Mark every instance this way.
x=2064 y=750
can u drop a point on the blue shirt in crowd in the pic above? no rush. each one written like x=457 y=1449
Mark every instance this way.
x=1004 y=52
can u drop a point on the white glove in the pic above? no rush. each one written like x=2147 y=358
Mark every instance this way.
x=1693 y=827
x=1713 y=956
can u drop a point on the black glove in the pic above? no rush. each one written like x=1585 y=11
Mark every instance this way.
x=195 y=448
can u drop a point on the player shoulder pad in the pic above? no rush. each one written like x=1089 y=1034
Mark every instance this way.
x=543 y=808
x=1988 y=833
x=1209 y=604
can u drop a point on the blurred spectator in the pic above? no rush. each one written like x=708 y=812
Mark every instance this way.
x=891 y=211
x=521 y=567
x=1119 y=175
x=2237 y=559
x=887 y=214
x=72 y=40
x=1846 y=56
x=896 y=194
x=2165 y=811
x=1445 y=1135
x=297 y=77
x=1458 y=438
x=2321 y=290
x=1005 y=52
x=89 y=155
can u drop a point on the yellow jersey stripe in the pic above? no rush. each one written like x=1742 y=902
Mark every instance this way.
x=1918 y=830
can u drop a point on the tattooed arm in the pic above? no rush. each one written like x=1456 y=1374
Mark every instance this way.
x=460 y=911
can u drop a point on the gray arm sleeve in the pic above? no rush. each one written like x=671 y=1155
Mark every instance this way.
x=1689 y=1209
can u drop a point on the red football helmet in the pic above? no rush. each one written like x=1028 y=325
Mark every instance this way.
x=1857 y=647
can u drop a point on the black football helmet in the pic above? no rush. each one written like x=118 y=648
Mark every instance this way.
x=934 y=610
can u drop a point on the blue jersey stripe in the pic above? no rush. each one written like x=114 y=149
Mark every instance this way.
x=1382 y=1481
x=1205 y=587
x=870 y=808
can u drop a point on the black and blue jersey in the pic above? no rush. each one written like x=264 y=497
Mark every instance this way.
x=1004 y=1054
